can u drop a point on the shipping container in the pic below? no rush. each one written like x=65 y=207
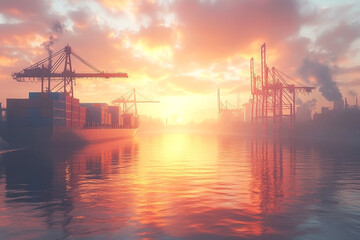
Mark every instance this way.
x=82 y=124
x=82 y=111
x=17 y=103
x=75 y=123
x=57 y=104
x=40 y=122
x=68 y=108
x=68 y=99
x=82 y=118
x=75 y=108
x=46 y=112
x=68 y=115
x=115 y=115
x=18 y=122
x=17 y=113
x=93 y=115
x=75 y=101
x=59 y=113
x=121 y=121
x=34 y=112
x=68 y=122
x=75 y=115
x=34 y=103
x=58 y=96
x=127 y=120
x=108 y=119
x=59 y=122
x=34 y=95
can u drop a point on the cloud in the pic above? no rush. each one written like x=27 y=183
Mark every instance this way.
x=337 y=40
x=218 y=29
x=24 y=9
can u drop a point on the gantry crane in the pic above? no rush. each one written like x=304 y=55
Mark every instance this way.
x=129 y=102
x=227 y=109
x=39 y=72
x=272 y=95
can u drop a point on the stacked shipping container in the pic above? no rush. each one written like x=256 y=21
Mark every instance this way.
x=116 y=117
x=75 y=112
x=130 y=121
x=60 y=110
x=96 y=114
x=44 y=110
x=102 y=115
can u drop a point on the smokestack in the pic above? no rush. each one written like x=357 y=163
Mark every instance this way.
x=346 y=104
x=356 y=101
x=338 y=105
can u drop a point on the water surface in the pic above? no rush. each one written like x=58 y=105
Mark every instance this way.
x=181 y=186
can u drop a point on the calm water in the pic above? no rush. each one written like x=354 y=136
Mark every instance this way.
x=181 y=186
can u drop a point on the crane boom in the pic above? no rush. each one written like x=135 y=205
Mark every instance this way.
x=21 y=77
x=128 y=101
x=38 y=72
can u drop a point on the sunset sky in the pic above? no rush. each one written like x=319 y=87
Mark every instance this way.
x=181 y=52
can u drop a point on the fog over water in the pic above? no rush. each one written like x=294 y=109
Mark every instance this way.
x=181 y=186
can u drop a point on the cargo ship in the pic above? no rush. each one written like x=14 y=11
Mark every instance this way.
x=55 y=117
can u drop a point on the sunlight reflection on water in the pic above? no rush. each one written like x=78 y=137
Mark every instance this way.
x=182 y=186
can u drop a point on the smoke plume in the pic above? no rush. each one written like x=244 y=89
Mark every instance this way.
x=352 y=93
x=56 y=30
x=310 y=104
x=322 y=74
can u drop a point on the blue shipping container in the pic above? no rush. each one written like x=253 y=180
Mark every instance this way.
x=34 y=95
x=59 y=122
x=40 y=122
x=34 y=113
x=59 y=104
x=58 y=113
x=18 y=122
x=57 y=96
x=93 y=115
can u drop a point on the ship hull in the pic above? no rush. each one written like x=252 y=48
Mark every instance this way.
x=63 y=136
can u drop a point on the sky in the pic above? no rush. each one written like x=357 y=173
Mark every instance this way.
x=181 y=51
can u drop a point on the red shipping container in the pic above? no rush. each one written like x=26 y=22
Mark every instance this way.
x=115 y=114
x=83 y=118
x=68 y=122
x=83 y=110
x=68 y=99
x=75 y=123
x=75 y=115
x=103 y=117
x=75 y=108
x=108 y=118
x=68 y=115
x=75 y=101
